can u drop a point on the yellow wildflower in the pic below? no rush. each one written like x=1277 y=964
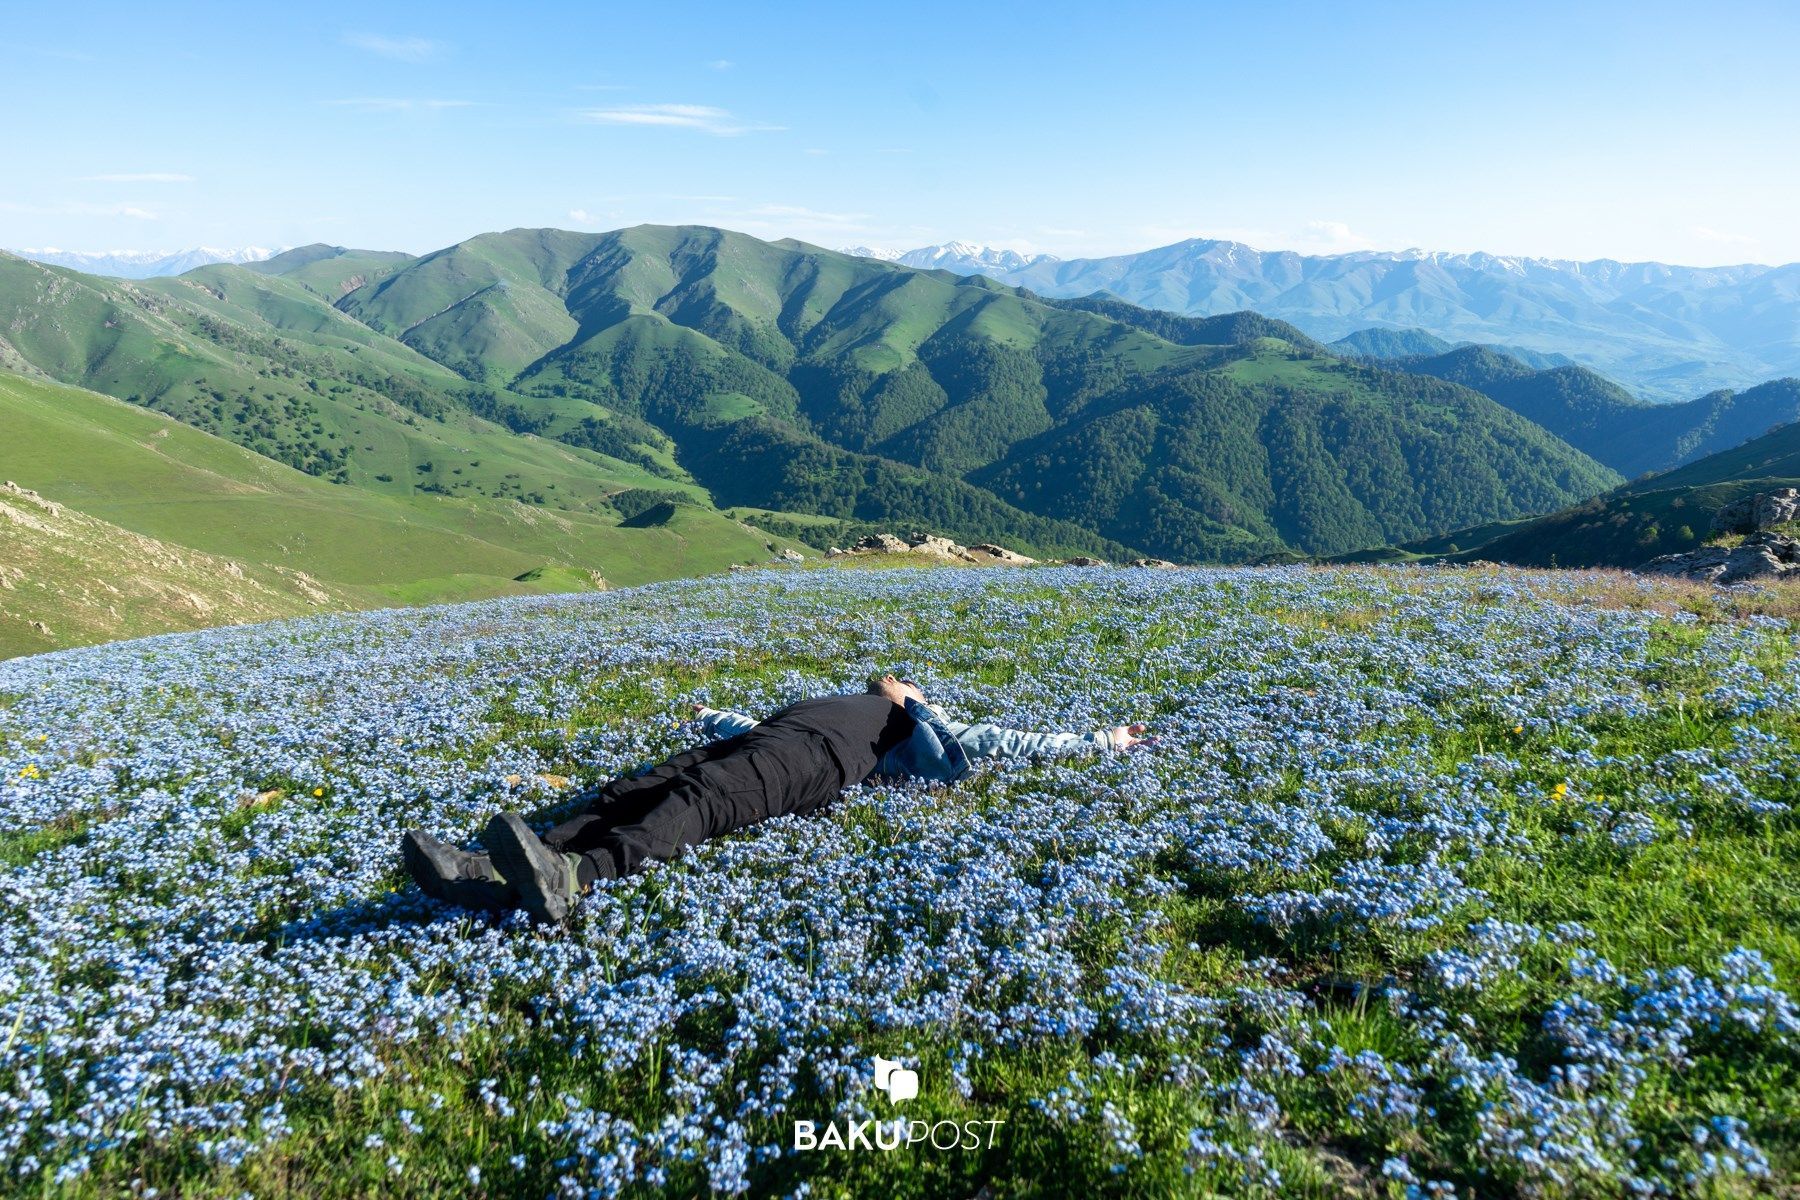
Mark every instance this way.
x=318 y=791
x=1518 y=729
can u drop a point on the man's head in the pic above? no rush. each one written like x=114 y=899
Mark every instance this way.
x=895 y=689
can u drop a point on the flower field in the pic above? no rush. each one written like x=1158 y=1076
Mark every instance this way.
x=1436 y=883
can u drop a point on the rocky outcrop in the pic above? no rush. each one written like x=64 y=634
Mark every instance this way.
x=987 y=552
x=1084 y=561
x=1761 y=557
x=1154 y=564
x=49 y=506
x=1755 y=513
x=938 y=549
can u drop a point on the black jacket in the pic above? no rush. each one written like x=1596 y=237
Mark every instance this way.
x=856 y=731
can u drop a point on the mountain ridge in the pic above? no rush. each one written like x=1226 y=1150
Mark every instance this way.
x=1668 y=332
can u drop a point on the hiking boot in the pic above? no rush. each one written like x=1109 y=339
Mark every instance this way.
x=455 y=876
x=546 y=880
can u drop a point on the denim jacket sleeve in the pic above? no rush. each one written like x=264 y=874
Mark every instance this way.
x=996 y=741
x=721 y=723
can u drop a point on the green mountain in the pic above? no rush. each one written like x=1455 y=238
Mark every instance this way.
x=565 y=369
x=1380 y=342
x=1658 y=514
x=145 y=524
x=795 y=378
x=1598 y=417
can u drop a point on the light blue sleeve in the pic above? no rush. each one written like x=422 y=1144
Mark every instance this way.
x=997 y=741
x=721 y=723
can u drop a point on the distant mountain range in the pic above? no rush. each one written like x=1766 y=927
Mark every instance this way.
x=562 y=368
x=1665 y=332
x=146 y=264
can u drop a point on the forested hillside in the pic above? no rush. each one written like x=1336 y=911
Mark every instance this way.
x=1659 y=514
x=1602 y=419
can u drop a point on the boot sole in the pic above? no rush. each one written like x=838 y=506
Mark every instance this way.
x=540 y=876
x=426 y=867
x=436 y=868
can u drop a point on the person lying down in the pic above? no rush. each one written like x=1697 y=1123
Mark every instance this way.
x=793 y=761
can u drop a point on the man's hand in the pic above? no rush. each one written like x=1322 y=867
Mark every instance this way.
x=1124 y=737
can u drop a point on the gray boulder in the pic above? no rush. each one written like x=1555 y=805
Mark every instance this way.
x=880 y=543
x=937 y=547
x=1760 y=557
x=1764 y=510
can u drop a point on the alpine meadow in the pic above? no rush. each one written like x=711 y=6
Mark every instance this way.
x=970 y=602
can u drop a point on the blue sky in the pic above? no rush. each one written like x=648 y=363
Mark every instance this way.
x=1632 y=131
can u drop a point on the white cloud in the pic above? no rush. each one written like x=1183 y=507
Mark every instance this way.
x=405 y=49
x=703 y=118
x=1719 y=235
x=141 y=177
x=581 y=216
x=721 y=64
x=796 y=212
x=816 y=152
x=396 y=103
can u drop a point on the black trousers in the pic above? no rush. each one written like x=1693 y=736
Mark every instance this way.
x=699 y=794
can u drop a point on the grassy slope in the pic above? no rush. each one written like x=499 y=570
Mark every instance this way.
x=265 y=363
x=68 y=579
x=144 y=472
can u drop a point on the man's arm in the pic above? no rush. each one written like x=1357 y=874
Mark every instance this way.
x=996 y=741
x=722 y=723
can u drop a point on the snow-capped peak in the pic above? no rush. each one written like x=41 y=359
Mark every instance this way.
x=874 y=252
x=144 y=264
x=965 y=258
